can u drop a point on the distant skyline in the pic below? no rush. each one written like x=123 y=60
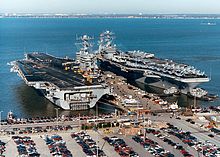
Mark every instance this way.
x=111 y=6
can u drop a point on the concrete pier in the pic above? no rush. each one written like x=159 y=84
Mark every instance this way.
x=121 y=90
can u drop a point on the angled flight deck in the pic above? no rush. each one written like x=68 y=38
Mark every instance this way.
x=69 y=84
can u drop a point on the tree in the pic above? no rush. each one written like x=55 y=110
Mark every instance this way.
x=108 y=124
x=99 y=125
x=117 y=124
x=113 y=125
x=83 y=127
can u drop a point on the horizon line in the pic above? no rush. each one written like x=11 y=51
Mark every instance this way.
x=111 y=13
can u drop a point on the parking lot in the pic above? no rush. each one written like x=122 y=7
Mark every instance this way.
x=181 y=138
x=163 y=142
x=194 y=128
x=50 y=144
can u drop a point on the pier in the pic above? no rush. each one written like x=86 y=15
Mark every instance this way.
x=122 y=91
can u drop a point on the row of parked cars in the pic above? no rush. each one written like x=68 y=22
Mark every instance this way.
x=88 y=145
x=30 y=130
x=216 y=131
x=57 y=146
x=167 y=140
x=25 y=146
x=2 y=148
x=206 y=148
x=152 y=146
x=53 y=119
x=121 y=147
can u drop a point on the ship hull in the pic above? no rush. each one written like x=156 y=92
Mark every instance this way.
x=66 y=89
x=159 y=82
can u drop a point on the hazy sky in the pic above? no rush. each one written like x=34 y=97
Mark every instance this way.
x=110 y=6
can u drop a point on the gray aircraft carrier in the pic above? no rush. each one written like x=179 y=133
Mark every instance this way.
x=69 y=84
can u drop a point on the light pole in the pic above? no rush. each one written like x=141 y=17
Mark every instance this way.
x=97 y=114
x=1 y=121
x=144 y=128
x=97 y=149
x=80 y=123
x=97 y=153
x=202 y=151
x=57 y=115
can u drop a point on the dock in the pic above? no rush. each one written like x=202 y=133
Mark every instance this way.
x=124 y=91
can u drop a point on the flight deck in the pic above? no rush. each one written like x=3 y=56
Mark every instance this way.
x=63 y=81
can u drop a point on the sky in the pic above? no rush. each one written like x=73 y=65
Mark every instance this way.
x=111 y=6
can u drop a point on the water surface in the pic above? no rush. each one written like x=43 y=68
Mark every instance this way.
x=181 y=40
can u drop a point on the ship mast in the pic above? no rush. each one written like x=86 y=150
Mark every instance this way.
x=106 y=42
x=87 y=59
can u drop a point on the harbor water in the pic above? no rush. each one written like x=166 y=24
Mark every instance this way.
x=182 y=40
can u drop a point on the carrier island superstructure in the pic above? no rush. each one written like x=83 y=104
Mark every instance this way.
x=145 y=68
x=68 y=83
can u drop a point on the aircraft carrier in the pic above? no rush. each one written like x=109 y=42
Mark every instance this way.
x=68 y=83
x=147 y=69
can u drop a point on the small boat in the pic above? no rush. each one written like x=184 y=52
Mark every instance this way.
x=10 y=117
x=171 y=91
x=208 y=23
x=202 y=95
x=174 y=106
x=196 y=109
x=197 y=92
